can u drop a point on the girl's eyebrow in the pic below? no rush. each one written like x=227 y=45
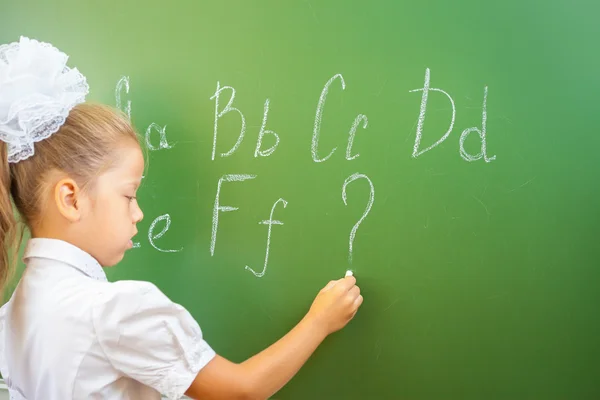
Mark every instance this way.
x=134 y=182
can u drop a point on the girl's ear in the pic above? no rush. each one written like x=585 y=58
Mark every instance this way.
x=68 y=198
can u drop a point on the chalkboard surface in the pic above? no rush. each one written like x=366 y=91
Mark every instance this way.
x=446 y=152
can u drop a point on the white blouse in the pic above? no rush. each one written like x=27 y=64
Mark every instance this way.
x=67 y=333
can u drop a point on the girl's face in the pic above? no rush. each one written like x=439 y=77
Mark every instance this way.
x=114 y=212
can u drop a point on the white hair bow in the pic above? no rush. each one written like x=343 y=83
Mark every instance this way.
x=37 y=91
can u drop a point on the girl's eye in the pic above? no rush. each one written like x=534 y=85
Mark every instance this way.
x=131 y=198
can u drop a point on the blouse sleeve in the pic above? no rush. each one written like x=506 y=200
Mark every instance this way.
x=149 y=338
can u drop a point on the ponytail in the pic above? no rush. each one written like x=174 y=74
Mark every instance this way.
x=8 y=223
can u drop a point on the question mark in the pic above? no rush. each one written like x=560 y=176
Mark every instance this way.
x=349 y=180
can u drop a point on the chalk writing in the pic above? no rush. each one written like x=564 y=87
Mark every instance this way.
x=156 y=139
x=219 y=114
x=123 y=83
x=152 y=237
x=482 y=135
x=161 y=130
x=426 y=89
x=349 y=180
x=352 y=133
x=262 y=133
x=319 y=116
x=269 y=222
x=219 y=208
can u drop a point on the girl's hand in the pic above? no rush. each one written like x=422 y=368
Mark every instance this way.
x=336 y=304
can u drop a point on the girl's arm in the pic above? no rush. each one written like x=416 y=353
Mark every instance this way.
x=264 y=374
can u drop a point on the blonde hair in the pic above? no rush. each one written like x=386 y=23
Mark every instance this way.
x=83 y=148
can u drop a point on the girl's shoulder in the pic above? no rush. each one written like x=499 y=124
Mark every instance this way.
x=149 y=337
x=131 y=296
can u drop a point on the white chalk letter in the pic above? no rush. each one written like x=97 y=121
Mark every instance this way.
x=352 y=134
x=318 y=117
x=219 y=114
x=123 y=83
x=262 y=133
x=163 y=144
x=219 y=208
x=421 y=121
x=152 y=237
x=463 y=153
x=269 y=222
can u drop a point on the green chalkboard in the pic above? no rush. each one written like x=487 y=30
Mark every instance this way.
x=480 y=267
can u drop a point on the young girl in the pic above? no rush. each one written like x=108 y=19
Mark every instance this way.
x=72 y=170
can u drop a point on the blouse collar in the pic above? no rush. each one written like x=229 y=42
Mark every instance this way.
x=59 y=250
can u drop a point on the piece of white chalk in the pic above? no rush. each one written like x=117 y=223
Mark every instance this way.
x=348 y=273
